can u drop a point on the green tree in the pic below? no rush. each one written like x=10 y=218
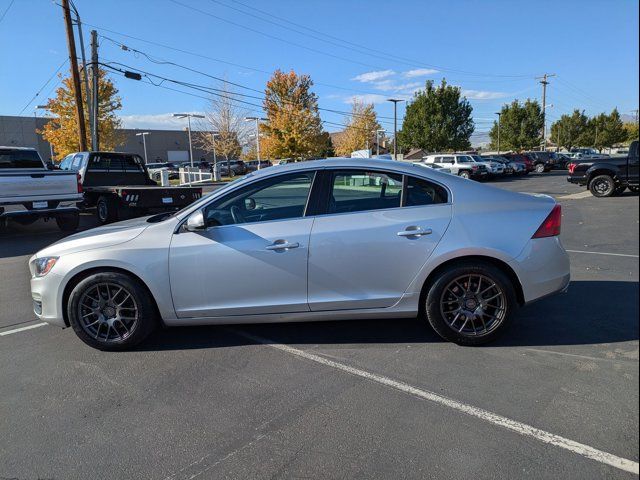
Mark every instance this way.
x=571 y=130
x=437 y=119
x=578 y=130
x=294 y=129
x=610 y=130
x=520 y=126
x=631 y=131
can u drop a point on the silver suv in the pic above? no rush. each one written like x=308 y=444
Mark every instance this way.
x=461 y=165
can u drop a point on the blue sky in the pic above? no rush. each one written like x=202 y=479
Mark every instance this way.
x=493 y=50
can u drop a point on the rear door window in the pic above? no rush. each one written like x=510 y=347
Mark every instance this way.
x=424 y=192
x=362 y=190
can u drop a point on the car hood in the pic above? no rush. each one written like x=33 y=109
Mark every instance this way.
x=105 y=236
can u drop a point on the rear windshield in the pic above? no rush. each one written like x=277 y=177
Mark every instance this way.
x=115 y=162
x=14 y=158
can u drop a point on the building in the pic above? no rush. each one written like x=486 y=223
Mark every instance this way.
x=162 y=145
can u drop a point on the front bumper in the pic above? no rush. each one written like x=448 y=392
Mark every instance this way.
x=46 y=295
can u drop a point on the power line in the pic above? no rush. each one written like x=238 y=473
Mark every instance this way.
x=44 y=86
x=324 y=37
x=6 y=10
x=166 y=62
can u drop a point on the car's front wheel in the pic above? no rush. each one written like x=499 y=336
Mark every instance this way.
x=464 y=174
x=111 y=311
x=540 y=168
x=470 y=303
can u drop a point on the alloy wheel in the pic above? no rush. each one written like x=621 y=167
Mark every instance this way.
x=108 y=312
x=602 y=186
x=473 y=305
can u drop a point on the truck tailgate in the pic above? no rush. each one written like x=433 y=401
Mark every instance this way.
x=34 y=185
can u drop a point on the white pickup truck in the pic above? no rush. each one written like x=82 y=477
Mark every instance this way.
x=29 y=190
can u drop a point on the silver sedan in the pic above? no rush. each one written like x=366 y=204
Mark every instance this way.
x=331 y=239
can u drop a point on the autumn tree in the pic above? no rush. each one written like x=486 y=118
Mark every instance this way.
x=631 y=131
x=360 y=129
x=294 y=129
x=224 y=128
x=437 y=118
x=62 y=130
x=520 y=126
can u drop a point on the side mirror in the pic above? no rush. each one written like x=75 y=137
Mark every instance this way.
x=195 y=222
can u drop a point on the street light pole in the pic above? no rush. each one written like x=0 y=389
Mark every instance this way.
x=395 y=125
x=144 y=144
x=378 y=141
x=189 y=116
x=499 y=117
x=257 y=120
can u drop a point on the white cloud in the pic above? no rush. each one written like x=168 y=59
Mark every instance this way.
x=366 y=98
x=419 y=72
x=391 y=86
x=483 y=94
x=161 y=121
x=373 y=76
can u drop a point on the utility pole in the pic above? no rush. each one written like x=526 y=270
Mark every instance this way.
x=95 y=98
x=378 y=132
x=395 y=125
x=544 y=82
x=73 y=60
x=635 y=114
x=257 y=120
x=85 y=77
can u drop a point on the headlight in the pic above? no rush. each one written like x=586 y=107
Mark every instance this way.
x=44 y=265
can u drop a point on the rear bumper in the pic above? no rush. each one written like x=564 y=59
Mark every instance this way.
x=543 y=268
x=63 y=208
x=577 y=180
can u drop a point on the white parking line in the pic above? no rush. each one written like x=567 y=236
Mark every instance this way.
x=576 y=196
x=604 y=253
x=513 y=425
x=21 y=329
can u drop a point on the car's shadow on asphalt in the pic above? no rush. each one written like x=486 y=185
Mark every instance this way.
x=589 y=313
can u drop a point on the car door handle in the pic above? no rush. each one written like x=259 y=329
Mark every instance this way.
x=282 y=245
x=414 y=231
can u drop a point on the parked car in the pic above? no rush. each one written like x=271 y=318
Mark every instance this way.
x=252 y=165
x=542 y=161
x=155 y=170
x=606 y=177
x=461 y=165
x=317 y=240
x=520 y=158
x=510 y=167
x=494 y=168
x=29 y=190
x=118 y=186
x=232 y=168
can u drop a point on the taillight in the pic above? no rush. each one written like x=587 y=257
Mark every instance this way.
x=474 y=167
x=551 y=225
x=572 y=167
x=79 y=180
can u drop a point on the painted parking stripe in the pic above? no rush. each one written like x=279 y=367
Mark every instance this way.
x=576 y=196
x=485 y=415
x=21 y=329
x=604 y=253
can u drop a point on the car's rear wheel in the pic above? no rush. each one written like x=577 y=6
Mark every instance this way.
x=540 y=168
x=111 y=311
x=602 y=186
x=470 y=303
x=107 y=209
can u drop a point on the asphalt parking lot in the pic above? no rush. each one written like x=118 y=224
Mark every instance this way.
x=360 y=399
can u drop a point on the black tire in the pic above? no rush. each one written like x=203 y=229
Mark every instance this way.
x=464 y=174
x=107 y=209
x=438 y=318
x=602 y=186
x=634 y=189
x=68 y=222
x=146 y=316
x=540 y=168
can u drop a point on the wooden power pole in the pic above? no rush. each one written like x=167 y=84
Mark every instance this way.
x=75 y=75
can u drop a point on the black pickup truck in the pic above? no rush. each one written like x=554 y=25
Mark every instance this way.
x=606 y=177
x=118 y=185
